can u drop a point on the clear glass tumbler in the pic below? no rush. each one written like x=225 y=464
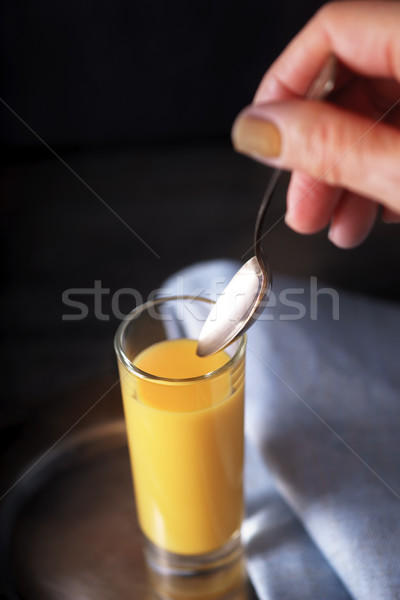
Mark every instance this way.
x=185 y=437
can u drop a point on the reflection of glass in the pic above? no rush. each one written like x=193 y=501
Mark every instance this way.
x=184 y=418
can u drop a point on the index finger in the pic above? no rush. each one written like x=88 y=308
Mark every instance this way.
x=363 y=35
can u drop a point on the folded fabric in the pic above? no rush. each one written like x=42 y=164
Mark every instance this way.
x=322 y=477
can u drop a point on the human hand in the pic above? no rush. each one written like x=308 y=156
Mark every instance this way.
x=344 y=153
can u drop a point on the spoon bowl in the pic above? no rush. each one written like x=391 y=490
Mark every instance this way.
x=235 y=309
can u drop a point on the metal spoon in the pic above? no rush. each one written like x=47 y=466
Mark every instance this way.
x=240 y=303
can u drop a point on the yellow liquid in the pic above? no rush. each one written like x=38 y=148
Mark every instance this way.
x=186 y=447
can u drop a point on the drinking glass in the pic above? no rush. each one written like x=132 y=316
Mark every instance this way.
x=185 y=438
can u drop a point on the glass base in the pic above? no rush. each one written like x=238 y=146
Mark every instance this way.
x=220 y=574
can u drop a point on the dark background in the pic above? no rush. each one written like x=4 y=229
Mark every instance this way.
x=137 y=99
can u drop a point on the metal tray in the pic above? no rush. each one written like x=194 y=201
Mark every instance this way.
x=72 y=530
x=68 y=526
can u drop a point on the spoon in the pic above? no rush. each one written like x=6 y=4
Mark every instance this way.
x=240 y=304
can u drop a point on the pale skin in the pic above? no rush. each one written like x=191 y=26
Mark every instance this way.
x=345 y=152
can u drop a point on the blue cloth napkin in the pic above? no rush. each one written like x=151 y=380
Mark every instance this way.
x=322 y=473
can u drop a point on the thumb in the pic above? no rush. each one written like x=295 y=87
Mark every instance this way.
x=341 y=148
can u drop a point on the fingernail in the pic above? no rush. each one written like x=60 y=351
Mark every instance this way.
x=290 y=222
x=335 y=236
x=338 y=237
x=331 y=234
x=256 y=137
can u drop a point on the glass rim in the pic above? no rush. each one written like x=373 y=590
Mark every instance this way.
x=137 y=311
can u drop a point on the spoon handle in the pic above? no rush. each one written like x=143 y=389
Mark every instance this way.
x=273 y=182
x=318 y=90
